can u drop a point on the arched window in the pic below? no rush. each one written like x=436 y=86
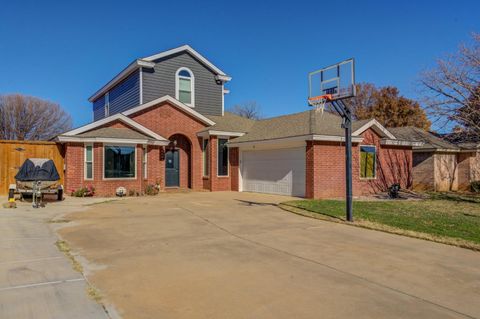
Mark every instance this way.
x=185 y=86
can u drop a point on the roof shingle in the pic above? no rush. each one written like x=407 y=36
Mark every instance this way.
x=416 y=134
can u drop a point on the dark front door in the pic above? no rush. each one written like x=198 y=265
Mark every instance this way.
x=172 y=169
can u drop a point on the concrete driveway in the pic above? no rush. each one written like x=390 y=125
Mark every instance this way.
x=236 y=255
x=36 y=280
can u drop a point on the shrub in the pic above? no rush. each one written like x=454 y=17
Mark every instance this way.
x=84 y=192
x=475 y=185
x=151 y=189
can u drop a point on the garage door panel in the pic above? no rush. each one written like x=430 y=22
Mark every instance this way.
x=274 y=171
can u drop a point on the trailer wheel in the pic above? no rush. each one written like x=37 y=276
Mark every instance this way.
x=60 y=194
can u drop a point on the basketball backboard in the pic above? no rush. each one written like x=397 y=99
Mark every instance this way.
x=335 y=82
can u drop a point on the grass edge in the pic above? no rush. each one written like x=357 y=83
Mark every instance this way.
x=381 y=227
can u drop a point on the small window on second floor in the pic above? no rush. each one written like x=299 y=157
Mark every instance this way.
x=185 y=87
x=107 y=105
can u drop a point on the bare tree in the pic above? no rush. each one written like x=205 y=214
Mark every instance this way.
x=30 y=118
x=452 y=89
x=249 y=110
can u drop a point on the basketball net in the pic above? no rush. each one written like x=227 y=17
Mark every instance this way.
x=319 y=102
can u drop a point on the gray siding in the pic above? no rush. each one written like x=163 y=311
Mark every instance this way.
x=122 y=97
x=98 y=110
x=125 y=94
x=160 y=81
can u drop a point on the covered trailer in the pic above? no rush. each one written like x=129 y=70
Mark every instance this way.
x=38 y=176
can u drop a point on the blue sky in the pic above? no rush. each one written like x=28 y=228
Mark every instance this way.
x=64 y=51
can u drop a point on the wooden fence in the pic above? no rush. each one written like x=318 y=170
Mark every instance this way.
x=14 y=153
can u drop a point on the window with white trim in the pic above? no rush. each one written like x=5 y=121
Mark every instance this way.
x=145 y=154
x=119 y=161
x=368 y=161
x=88 y=162
x=206 y=157
x=185 y=86
x=222 y=157
x=107 y=104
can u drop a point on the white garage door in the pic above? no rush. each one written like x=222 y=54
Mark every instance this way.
x=280 y=171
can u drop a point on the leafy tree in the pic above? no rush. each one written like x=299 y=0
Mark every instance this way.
x=30 y=118
x=452 y=89
x=249 y=110
x=387 y=106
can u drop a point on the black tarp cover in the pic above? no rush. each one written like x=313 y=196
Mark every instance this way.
x=37 y=169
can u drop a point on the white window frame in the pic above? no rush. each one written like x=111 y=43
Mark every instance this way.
x=204 y=157
x=85 y=162
x=145 y=161
x=228 y=158
x=360 y=163
x=119 y=178
x=192 y=85
x=106 y=107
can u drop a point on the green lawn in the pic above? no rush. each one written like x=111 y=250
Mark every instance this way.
x=443 y=216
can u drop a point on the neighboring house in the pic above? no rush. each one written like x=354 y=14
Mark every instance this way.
x=162 y=121
x=439 y=165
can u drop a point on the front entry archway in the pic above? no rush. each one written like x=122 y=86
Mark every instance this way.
x=178 y=162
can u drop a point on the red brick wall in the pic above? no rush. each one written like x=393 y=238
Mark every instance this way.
x=325 y=168
x=74 y=166
x=171 y=123
x=74 y=161
x=234 y=162
x=221 y=183
x=167 y=120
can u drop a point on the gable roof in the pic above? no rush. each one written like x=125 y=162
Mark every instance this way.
x=431 y=142
x=148 y=62
x=174 y=102
x=189 y=49
x=117 y=117
x=110 y=132
x=311 y=122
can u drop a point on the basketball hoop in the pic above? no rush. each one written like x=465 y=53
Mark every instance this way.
x=318 y=102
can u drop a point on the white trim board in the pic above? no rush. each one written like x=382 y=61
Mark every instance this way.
x=174 y=102
x=119 y=117
x=79 y=139
x=385 y=141
x=190 y=50
x=327 y=138
x=380 y=127
x=220 y=133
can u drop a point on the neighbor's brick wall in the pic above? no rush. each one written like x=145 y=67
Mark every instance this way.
x=423 y=171
x=325 y=168
x=446 y=172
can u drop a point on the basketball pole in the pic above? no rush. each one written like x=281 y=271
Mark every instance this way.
x=346 y=114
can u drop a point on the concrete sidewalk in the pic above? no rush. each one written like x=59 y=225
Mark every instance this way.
x=36 y=280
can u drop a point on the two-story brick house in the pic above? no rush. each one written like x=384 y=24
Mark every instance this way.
x=162 y=120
